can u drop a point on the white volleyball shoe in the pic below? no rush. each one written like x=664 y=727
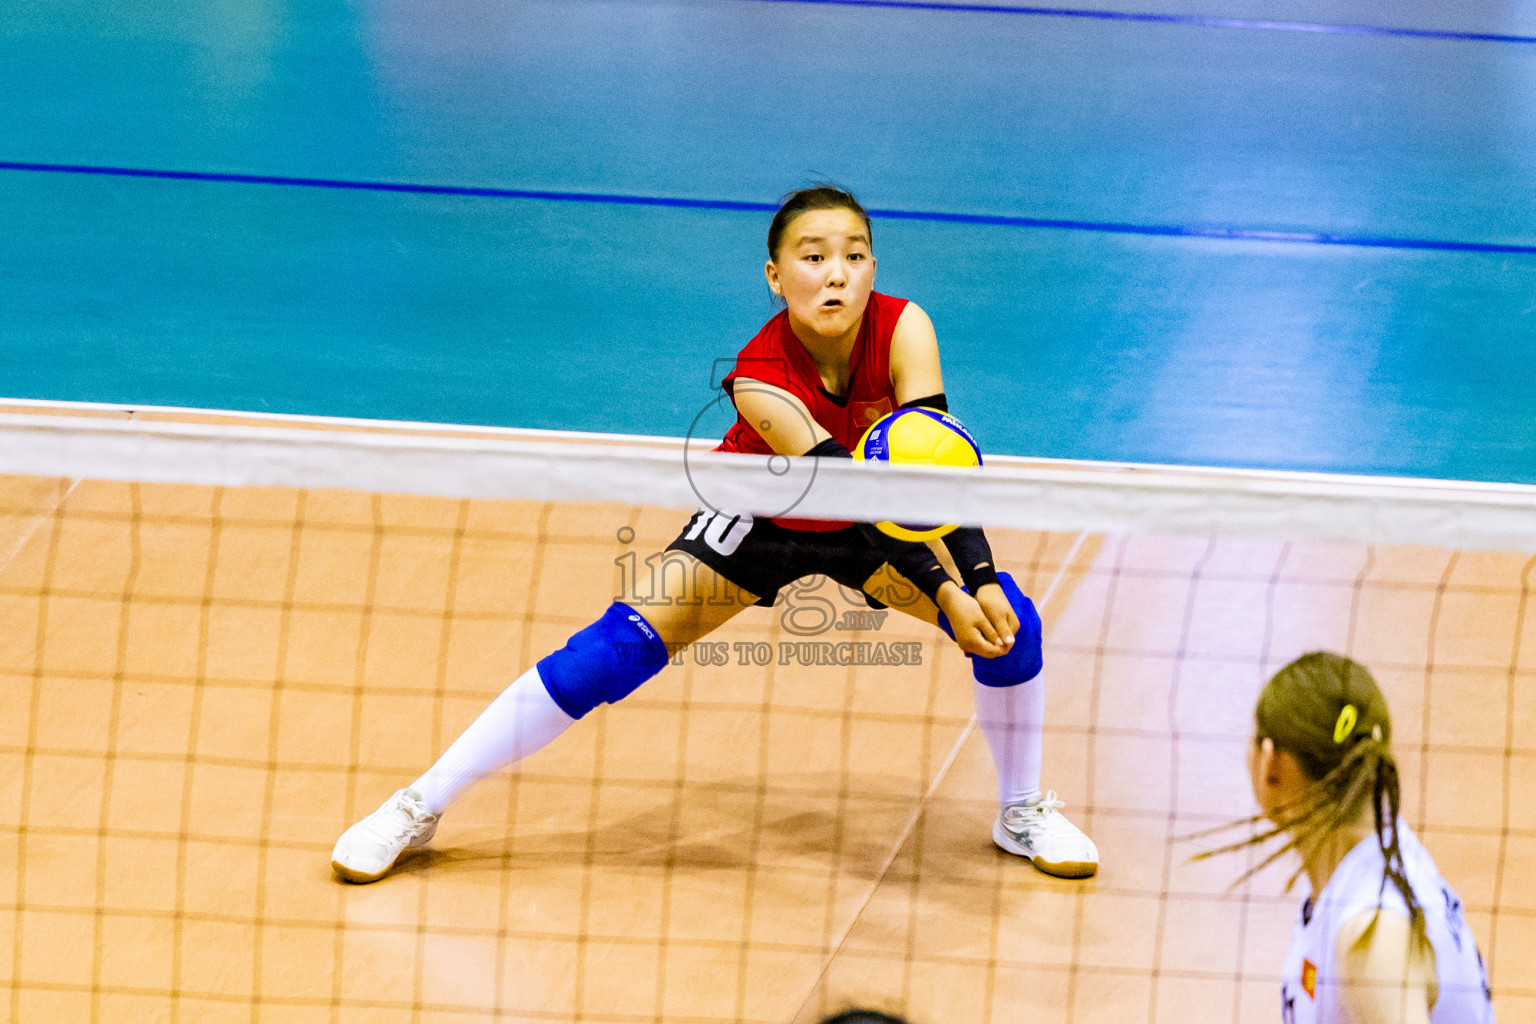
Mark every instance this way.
x=366 y=851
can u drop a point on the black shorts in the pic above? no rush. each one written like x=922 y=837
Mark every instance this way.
x=760 y=556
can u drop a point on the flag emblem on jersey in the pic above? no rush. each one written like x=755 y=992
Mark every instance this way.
x=1309 y=978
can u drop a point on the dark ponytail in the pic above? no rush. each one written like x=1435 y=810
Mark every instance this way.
x=821 y=196
x=1328 y=713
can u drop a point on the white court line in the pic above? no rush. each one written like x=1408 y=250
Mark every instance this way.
x=922 y=804
x=37 y=525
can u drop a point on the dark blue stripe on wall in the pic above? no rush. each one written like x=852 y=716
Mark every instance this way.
x=994 y=220
x=1173 y=19
x=1179 y=230
x=387 y=186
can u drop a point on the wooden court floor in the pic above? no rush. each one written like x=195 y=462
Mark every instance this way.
x=202 y=687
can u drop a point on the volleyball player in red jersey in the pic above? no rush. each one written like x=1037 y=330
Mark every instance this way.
x=837 y=358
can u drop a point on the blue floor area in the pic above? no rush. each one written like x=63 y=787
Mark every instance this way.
x=1070 y=342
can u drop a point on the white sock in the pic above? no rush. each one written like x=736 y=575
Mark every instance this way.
x=1012 y=718
x=523 y=719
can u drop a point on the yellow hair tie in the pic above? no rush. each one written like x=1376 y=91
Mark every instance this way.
x=1346 y=723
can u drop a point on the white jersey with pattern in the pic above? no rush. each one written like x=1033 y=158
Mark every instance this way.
x=1309 y=982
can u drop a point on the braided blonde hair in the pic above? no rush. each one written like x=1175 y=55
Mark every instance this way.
x=1327 y=712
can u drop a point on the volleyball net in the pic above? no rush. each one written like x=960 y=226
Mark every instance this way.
x=228 y=637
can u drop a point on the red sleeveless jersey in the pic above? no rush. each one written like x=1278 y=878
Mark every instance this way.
x=775 y=356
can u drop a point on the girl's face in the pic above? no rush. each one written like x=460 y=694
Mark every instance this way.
x=824 y=271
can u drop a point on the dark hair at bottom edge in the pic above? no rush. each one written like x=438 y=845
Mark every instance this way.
x=863 y=1017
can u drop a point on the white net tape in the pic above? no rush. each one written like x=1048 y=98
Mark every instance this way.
x=1030 y=494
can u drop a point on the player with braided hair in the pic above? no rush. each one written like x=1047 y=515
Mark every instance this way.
x=1381 y=939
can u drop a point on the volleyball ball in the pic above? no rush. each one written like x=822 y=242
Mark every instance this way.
x=918 y=437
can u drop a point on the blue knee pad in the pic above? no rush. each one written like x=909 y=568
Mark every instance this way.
x=603 y=663
x=1024 y=659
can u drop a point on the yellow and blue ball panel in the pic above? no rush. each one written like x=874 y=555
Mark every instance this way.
x=918 y=437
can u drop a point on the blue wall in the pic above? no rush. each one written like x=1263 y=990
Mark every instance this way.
x=1072 y=342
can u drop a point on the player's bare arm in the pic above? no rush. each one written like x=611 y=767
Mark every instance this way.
x=781 y=418
x=1388 y=974
x=786 y=424
x=915 y=373
x=915 y=369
